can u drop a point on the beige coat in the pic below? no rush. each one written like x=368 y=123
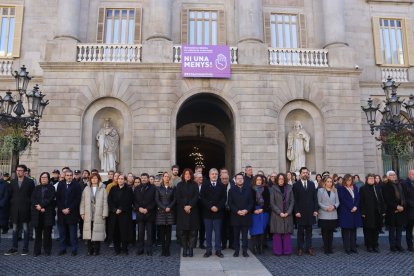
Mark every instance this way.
x=94 y=210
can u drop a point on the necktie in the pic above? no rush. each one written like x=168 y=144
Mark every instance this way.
x=214 y=184
x=305 y=185
x=375 y=192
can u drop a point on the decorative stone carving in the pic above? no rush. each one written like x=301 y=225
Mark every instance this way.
x=108 y=144
x=298 y=145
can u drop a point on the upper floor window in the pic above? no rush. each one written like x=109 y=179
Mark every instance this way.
x=203 y=27
x=284 y=30
x=392 y=47
x=10 y=31
x=393 y=41
x=119 y=26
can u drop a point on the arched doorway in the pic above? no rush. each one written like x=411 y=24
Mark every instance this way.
x=205 y=133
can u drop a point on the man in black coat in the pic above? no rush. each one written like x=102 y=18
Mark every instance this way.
x=240 y=202
x=213 y=199
x=408 y=186
x=198 y=178
x=372 y=210
x=20 y=203
x=68 y=197
x=144 y=205
x=306 y=209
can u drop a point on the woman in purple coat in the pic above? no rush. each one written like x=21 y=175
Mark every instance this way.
x=349 y=214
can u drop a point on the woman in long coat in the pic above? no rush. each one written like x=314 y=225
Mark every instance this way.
x=43 y=214
x=120 y=200
x=165 y=219
x=349 y=214
x=260 y=216
x=187 y=211
x=94 y=211
x=4 y=203
x=281 y=219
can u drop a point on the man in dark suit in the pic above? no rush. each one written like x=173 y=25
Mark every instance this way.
x=306 y=209
x=20 y=202
x=68 y=197
x=240 y=202
x=144 y=205
x=408 y=186
x=213 y=199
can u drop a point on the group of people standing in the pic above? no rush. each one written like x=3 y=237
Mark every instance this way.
x=231 y=208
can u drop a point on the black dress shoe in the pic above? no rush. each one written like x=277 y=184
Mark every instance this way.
x=190 y=252
x=74 y=253
x=400 y=249
x=149 y=253
x=369 y=249
x=245 y=254
x=393 y=249
x=236 y=254
x=348 y=252
x=219 y=254
x=140 y=252
x=354 y=251
x=410 y=248
x=375 y=249
x=207 y=254
x=61 y=253
x=47 y=254
x=36 y=254
x=185 y=252
x=202 y=246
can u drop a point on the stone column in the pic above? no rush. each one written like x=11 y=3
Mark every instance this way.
x=252 y=50
x=340 y=54
x=157 y=46
x=63 y=47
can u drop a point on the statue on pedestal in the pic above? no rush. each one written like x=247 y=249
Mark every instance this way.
x=108 y=144
x=298 y=144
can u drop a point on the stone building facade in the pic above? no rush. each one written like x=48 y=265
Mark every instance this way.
x=316 y=61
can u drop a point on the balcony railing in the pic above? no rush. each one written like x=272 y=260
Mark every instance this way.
x=398 y=74
x=109 y=53
x=298 y=57
x=177 y=54
x=6 y=67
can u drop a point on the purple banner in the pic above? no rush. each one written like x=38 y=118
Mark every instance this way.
x=205 y=61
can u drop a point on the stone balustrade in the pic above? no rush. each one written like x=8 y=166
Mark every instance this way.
x=398 y=74
x=177 y=54
x=6 y=67
x=109 y=53
x=298 y=57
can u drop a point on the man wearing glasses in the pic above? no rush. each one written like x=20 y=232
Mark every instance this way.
x=68 y=197
x=20 y=199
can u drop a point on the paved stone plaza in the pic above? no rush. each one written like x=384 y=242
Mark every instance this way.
x=364 y=263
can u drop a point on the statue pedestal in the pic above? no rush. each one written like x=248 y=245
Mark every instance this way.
x=104 y=176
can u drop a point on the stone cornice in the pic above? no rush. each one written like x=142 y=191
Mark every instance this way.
x=405 y=2
x=176 y=68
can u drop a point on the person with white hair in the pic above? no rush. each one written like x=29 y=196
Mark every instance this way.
x=395 y=218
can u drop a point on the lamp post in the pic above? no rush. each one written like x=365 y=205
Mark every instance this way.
x=13 y=113
x=391 y=116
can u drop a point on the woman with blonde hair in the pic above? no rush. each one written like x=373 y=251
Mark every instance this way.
x=165 y=219
x=94 y=211
x=328 y=201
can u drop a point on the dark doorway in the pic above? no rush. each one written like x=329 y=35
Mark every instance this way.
x=205 y=133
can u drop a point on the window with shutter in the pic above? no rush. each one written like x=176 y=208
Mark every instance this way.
x=393 y=41
x=203 y=27
x=119 y=26
x=11 y=24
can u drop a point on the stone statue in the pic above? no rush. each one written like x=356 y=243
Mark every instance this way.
x=108 y=144
x=298 y=144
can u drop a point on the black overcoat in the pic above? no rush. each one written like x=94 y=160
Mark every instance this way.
x=213 y=196
x=187 y=194
x=240 y=199
x=20 y=200
x=392 y=218
x=121 y=199
x=144 y=197
x=68 y=197
x=306 y=202
x=4 y=203
x=372 y=206
x=409 y=197
x=48 y=203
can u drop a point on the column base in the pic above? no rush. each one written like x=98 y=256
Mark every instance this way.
x=157 y=51
x=253 y=53
x=61 y=49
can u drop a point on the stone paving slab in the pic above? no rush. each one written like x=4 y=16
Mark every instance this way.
x=229 y=265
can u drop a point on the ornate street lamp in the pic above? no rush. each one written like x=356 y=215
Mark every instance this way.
x=14 y=115
x=391 y=122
